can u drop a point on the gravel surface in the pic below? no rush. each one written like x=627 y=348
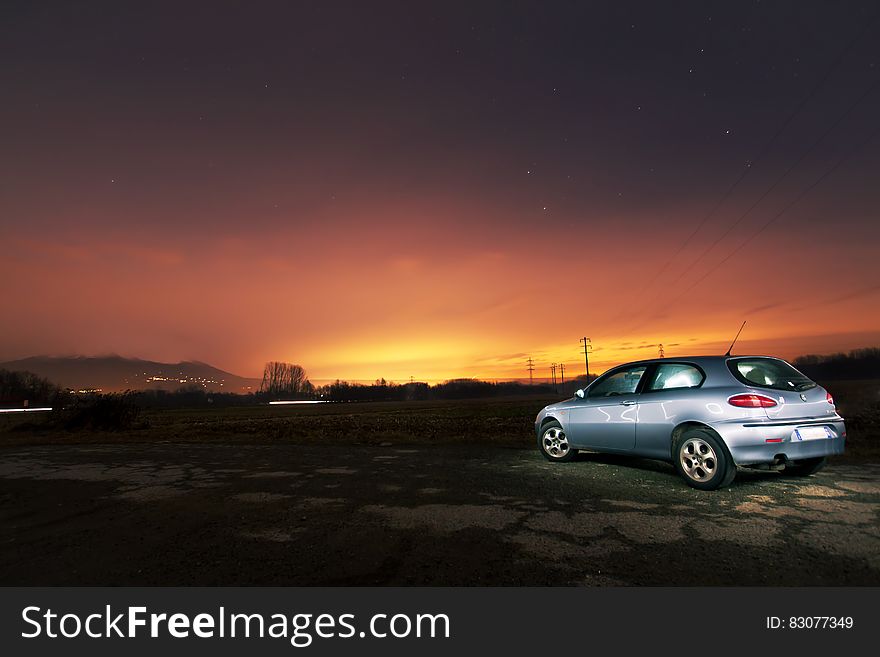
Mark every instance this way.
x=184 y=514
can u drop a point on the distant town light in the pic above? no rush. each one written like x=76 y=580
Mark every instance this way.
x=299 y=401
x=24 y=410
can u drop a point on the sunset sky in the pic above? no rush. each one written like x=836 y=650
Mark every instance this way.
x=439 y=189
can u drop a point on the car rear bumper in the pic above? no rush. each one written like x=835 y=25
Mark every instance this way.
x=751 y=444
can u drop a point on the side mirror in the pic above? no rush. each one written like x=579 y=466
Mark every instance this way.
x=579 y=393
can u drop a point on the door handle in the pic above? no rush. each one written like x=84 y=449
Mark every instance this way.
x=628 y=402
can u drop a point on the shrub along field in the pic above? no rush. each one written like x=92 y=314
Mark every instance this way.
x=506 y=422
x=497 y=421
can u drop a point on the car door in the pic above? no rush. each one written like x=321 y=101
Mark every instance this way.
x=605 y=419
x=668 y=396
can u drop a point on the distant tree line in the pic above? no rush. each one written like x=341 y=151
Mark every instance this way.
x=339 y=391
x=344 y=391
x=382 y=390
x=857 y=364
x=19 y=387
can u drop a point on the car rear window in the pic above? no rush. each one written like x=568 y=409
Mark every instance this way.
x=769 y=373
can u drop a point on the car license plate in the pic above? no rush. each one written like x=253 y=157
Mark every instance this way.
x=811 y=433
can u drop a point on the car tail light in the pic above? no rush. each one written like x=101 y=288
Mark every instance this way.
x=773 y=440
x=829 y=398
x=752 y=401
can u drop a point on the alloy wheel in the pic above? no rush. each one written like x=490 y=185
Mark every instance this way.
x=555 y=442
x=698 y=459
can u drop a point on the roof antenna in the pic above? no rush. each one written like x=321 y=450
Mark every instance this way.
x=730 y=348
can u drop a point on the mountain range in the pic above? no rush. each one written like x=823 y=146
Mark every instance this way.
x=116 y=373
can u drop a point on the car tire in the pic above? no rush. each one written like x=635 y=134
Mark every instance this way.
x=702 y=460
x=553 y=443
x=804 y=467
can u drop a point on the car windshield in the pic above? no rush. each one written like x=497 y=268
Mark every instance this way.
x=769 y=373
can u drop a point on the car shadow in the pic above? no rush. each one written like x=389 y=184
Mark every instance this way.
x=744 y=476
x=757 y=476
x=635 y=462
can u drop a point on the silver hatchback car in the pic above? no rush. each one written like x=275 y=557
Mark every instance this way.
x=707 y=415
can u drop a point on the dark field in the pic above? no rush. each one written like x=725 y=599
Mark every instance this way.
x=414 y=493
x=503 y=422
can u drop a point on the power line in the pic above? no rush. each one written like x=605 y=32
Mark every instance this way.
x=779 y=180
x=531 y=368
x=762 y=153
x=772 y=219
x=772 y=187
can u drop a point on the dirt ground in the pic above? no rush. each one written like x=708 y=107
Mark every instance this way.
x=398 y=514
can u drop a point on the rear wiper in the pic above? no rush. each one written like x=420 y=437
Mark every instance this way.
x=803 y=384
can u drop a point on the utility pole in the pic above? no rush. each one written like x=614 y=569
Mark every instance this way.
x=562 y=374
x=661 y=352
x=588 y=347
x=553 y=374
x=531 y=368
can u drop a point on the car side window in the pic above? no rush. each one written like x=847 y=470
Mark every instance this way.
x=623 y=382
x=673 y=376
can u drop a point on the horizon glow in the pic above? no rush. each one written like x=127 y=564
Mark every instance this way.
x=430 y=195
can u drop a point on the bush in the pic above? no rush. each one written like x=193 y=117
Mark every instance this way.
x=113 y=412
x=857 y=364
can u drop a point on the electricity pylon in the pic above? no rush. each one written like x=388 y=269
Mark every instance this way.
x=588 y=347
